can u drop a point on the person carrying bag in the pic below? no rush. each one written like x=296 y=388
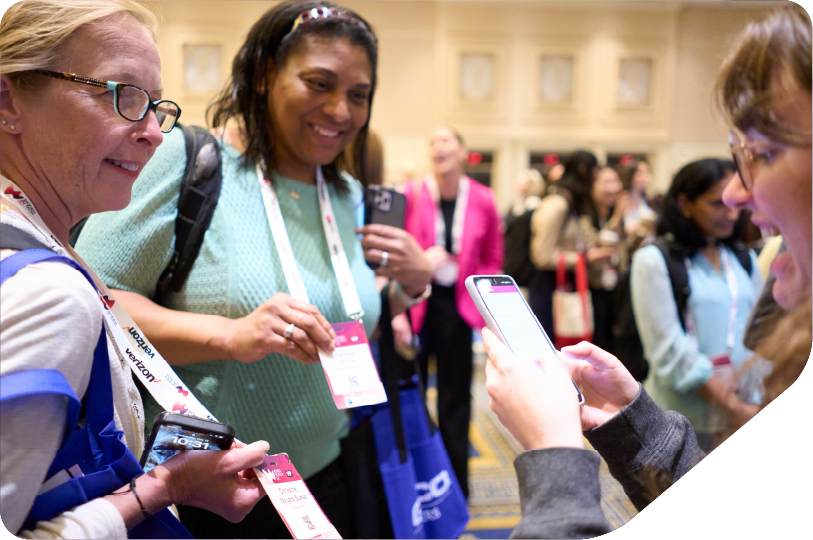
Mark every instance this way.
x=572 y=310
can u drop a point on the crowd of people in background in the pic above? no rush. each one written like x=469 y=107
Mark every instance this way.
x=690 y=347
x=684 y=316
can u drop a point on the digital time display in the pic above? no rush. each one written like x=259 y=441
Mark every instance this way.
x=172 y=439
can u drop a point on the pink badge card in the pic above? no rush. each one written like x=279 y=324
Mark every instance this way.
x=293 y=500
x=350 y=369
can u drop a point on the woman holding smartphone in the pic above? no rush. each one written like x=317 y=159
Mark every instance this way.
x=764 y=90
x=72 y=144
x=301 y=88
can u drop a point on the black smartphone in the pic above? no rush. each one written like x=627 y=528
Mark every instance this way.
x=175 y=433
x=383 y=206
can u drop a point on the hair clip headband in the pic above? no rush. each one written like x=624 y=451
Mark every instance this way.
x=322 y=13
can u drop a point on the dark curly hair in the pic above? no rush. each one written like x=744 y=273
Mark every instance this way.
x=271 y=39
x=692 y=180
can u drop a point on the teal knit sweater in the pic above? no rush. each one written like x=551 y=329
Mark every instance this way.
x=276 y=399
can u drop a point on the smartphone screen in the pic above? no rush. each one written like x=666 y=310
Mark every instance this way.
x=516 y=321
x=172 y=439
x=522 y=332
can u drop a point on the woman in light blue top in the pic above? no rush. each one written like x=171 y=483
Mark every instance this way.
x=694 y=358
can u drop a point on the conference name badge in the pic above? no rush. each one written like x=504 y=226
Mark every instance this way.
x=350 y=368
x=293 y=500
x=724 y=370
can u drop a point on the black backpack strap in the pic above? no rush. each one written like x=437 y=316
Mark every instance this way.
x=678 y=275
x=76 y=230
x=200 y=190
x=743 y=255
x=13 y=238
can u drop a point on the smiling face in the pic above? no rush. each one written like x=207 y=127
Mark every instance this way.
x=446 y=153
x=711 y=215
x=318 y=102
x=71 y=137
x=781 y=196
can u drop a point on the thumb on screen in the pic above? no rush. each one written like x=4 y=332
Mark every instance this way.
x=552 y=366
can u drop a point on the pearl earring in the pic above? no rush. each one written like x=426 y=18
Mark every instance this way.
x=12 y=127
x=4 y=122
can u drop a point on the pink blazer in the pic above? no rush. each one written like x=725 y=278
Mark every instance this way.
x=481 y=249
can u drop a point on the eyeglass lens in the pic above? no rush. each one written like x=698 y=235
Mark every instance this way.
x=133 y=103
x=740 y=154
x=167 y=113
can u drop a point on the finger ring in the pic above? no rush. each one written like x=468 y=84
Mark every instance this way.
x=385 y=259
x=289 y=331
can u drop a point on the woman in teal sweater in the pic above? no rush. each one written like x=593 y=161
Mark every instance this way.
x=302 y=87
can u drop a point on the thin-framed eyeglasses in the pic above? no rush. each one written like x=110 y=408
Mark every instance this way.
x=746 y=154
x=130 y=102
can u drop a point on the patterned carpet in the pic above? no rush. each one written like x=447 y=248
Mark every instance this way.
x=494 y=496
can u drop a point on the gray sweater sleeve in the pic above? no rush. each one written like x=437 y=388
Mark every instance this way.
x=559 y=487
x=643 y=436
x=559 y=493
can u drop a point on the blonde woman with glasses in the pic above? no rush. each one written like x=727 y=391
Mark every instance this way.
x=81 y=114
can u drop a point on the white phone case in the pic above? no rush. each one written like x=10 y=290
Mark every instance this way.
x=492 y=324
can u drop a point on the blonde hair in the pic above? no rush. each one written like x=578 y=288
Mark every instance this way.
x=536 y=184
x=788 y=348
x=33 y=31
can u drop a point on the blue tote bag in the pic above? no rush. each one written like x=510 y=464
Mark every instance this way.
x=423 y=495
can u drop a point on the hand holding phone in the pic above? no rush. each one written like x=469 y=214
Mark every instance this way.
x=536 y=405
x=607 y=384
x=383 y=206
x=509 y=317
x=174 y=433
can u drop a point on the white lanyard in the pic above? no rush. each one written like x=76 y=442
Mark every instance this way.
x=338 y=257
x=733 y=289
x=129 y=341
x=459 y=217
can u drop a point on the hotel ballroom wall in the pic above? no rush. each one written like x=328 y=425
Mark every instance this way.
x=618 y=77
